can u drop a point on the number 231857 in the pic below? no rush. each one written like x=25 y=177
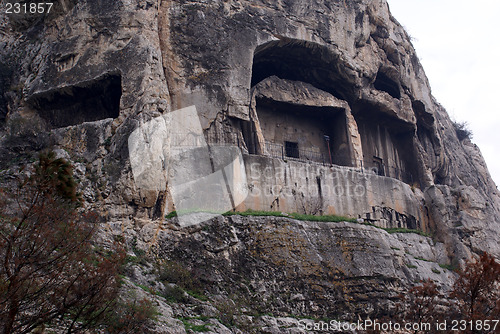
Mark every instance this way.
x=28 y=8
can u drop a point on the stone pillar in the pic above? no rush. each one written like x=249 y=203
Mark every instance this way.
x=260 y=142
x=354 y=139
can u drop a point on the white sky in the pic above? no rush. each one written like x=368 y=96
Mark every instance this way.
x=458 y=46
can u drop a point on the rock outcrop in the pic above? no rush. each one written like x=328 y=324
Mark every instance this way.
x=331 y=87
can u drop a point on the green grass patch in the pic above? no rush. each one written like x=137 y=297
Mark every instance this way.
x=146 y=288
x=447 y=266
x=194 y=328
x=174 y=294
x=395 y=248
x=298 y=216
x=197 y=295
x=435 y=271
x=411 y=266
x=422 y=259
x=406 y=230
x=131 y=259
x=304 y=217
x=171 y=215
x=259 y=213
x=326 y=218
x=256 y=213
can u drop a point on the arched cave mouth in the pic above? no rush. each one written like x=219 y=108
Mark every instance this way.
x=85 y=102
x=304 y=61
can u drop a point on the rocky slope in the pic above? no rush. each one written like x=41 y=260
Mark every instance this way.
x=83 y=77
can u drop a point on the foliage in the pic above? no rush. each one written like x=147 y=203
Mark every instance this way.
x=475 y=296
x=298 y=216
x=423 y=301
x=257 y=213
x=462 y=130
x=195 y=328
x=477 y=289
x=50 y=267
x=450 y=267
x=227 y=312
x=174 y=294
x=130 y=316
x=171 y=215
x=175 y=272
x=326 y=218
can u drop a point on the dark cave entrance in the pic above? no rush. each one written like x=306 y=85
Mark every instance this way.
x=303 y=61
x=388 y=85
x=388 y=146
x=87 y=102
x=319 y=131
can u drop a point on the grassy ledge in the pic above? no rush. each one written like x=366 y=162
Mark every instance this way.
x=313 y=218
x=298 y=216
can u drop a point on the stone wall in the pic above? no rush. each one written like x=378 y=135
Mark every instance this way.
x=310 y=188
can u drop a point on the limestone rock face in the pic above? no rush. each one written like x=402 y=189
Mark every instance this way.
x=331 y=87
x=294 y=267
x=287 y=268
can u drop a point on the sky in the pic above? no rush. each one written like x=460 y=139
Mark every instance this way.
x=458 y=46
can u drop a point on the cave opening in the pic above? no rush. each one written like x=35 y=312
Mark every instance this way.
x=320 y=132
x=386 y=84
x=86 y=102
x=388 y=145
x=303 y=61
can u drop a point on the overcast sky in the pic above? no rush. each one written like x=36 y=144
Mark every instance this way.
x=458 y=46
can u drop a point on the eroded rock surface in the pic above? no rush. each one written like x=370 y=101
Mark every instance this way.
x=285 y=268
x=347 y=79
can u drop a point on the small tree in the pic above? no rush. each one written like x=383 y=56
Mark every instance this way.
x=462 y=130
x=50 y=270
x=477 y=289
x=420 y=304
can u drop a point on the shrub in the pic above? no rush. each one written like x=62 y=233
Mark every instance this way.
x=175 y=272
x=418 y=305
x=475 y=297
x=447 y=266
x=131 y=316
x=477 y=289
x=462 y=130
x=174 y=294
x=51 y=268
x=227 y=312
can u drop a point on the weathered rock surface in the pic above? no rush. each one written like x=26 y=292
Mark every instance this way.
x=288 y=268
x=84 y=77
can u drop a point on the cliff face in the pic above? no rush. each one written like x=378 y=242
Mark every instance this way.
x=334 y=87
